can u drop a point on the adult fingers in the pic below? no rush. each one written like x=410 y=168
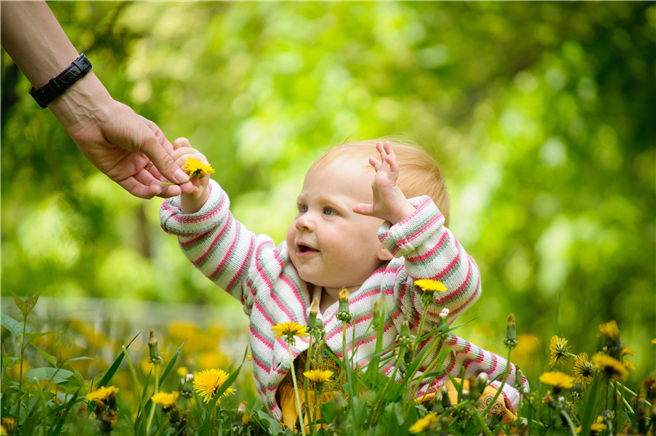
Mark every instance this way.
x=161 y=158
x=139 y=189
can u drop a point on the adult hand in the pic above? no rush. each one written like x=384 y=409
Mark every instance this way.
x=119 y=142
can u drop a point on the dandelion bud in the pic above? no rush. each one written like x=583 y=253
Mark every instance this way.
x=511 y=333
x=344 y=314
x=152 y=349
x=446 y=402
x=241 y=418
x=338 y=400
x=443 y=321
x=482 y=379
x=376 y=319
x=404 y=335
x=519 y=379
x=188 y=386
x=314 y=311
x=108 y=421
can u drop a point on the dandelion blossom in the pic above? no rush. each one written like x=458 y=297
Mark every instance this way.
x=428 y=285
x=102 y=394
x=196 y=168
x=558 y=350
x=207 y=382
x=165 y=400
x=290 y=330
x=611 y=367
x=183 y=371
x=583 y=370
x=650 y=387
x=423 y=424
x=318 y=376
x=626 y=351
x=628 y=365
x=558 y=380
x=610 y=330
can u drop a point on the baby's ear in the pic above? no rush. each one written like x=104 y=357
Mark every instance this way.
x=384 y=254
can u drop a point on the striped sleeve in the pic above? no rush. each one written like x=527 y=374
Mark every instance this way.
x=217 y=244
x=430 y=251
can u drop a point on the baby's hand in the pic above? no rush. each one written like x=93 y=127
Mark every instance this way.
x=389 y=202
x=192 y=202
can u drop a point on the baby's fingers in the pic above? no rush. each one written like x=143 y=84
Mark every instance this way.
x=374 y=163
x=364 y=209
x=181 y=143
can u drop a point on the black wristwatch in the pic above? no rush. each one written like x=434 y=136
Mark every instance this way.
x=57 y=86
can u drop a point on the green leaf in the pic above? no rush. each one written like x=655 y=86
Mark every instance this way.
x=27 y=305
x=54 y=374
x=170 y=365
x=112 y=369
x=13 y=326
x=33 y=336
x=80 y=358
x=48 y=357
x=273 y=425
x=9 y=361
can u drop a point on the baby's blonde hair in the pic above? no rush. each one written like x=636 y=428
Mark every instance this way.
x=419 y=172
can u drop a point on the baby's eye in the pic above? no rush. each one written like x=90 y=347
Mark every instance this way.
x=302 y=208
x=329 y=211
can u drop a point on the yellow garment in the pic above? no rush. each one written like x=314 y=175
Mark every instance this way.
x=499 y=408
x=287 y=399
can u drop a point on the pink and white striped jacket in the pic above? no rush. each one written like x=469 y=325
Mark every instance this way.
x=261 y=276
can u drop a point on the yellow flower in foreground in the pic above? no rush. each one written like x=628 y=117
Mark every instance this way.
x=428 y=285
x=8 y=424
x=318 y=376
x=207 y=382
x=612 y=368
x=423 y=424
x=595 y=427
x=558 y=348
x=626 y=351
x=557 y=379
x=102 y=394
x=196 y=168
x=610 y=330
x=2 y=430
x=289 y=329
x=583 y=370
x=183 y=371
x=164 y=399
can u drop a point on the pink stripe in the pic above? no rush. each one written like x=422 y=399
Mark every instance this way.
x=461 y=288
x=201 y=218
x=241 y=268
x=429 y=253
x=261 y=338
x=494 y=365
x=470 y=361
x=195 y=239
x=226 y=257
x=260 y=364
x=291 y=285
x=418 y=232
x=214 y=242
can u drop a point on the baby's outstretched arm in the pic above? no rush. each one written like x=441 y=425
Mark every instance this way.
x=194 y=201
x=389 y=202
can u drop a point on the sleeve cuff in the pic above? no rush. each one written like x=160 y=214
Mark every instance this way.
x=213 y=212
x=405 y=237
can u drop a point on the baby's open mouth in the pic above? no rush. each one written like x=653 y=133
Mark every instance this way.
x=305 y=249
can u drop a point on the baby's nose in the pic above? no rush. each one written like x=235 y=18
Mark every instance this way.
x=304 y=223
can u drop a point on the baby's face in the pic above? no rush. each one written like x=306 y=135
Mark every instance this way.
x=329 y=244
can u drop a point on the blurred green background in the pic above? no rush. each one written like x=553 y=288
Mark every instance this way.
x=539 y=114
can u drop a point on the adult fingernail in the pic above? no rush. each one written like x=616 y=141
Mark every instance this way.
x=180 y=176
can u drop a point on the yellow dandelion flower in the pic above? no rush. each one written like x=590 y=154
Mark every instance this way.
x=653 y=341
x=423 y=424
x=207 y=382
x=196 y=168
x=610 y=330
x=428 y=285
x=8 y=423
x=583 y=370
x=343 y=294
x=289 y=329
x=611 y=367
x=557 y=379
x=318 y=376
x=102 y=394
x=650 y=387
x=164 y=399
x=628 y=365
x=559 y=350
x=249 y=357
x=626 y=351
x=3 y=432
x=183 y=371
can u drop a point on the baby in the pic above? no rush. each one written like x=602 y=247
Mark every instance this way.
x=362 y=224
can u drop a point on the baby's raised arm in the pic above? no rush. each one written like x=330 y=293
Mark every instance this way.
x=193 y=201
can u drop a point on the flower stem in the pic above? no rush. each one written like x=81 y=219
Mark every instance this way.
x=298 y=401
x=503 y=383
x=20 y=380
x=305 y=386
x=153 y=405
x=134 y=378
x=344 y=355
x=430 y=369
x=626 y=403
x=421 y=328
x=212 y=415
x=387 y=386
x=569 y=422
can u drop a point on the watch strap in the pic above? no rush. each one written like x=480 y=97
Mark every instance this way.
x=57 y=86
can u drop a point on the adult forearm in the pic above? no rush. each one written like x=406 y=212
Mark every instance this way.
x=33 y=38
